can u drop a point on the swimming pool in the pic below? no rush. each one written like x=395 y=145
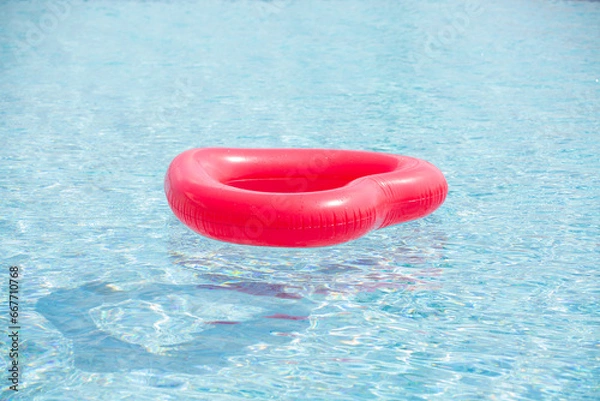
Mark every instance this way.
x=494 y=296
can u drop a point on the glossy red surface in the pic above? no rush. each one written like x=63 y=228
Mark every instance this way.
x=298 y=197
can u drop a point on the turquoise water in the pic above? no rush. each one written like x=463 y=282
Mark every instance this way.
x=494 y=296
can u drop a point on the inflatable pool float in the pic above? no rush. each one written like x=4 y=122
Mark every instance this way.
x=298 y=197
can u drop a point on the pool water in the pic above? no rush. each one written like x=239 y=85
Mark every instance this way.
x=494 y=296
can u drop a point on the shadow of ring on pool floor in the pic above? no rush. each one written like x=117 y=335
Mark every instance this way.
x=168 y=328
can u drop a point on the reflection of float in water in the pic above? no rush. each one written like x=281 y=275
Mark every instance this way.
x=168 y=328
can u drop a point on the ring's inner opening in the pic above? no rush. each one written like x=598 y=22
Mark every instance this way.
x=307 y=182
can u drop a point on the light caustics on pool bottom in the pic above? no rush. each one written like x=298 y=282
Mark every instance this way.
x=493 y=296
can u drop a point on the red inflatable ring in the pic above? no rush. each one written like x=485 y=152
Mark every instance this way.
x=298 y=197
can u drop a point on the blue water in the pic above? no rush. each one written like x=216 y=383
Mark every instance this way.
x=493 y=297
